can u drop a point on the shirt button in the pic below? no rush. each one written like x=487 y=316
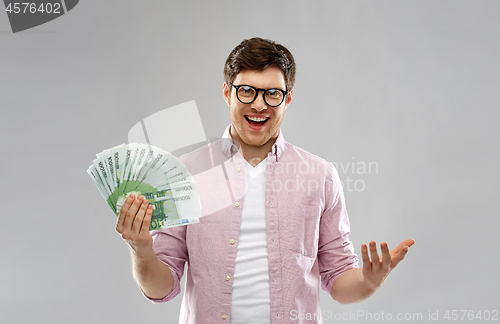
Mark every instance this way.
x=227 y=278
x=239 y=169
x=273 y=239
x=274 y=277
x=231 y=241
x=224 y=316
x=237 y=204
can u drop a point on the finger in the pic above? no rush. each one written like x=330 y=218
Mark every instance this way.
x=147 y=220
x=364 y=254
x=132 y=211
x=409 y=242
x=136 y=225
x=399 y=256
x=374 y=255
x=405 y=243
x=367 y=264
x=386 y=255
x=123 y=212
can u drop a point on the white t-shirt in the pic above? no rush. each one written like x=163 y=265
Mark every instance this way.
x=251 y=301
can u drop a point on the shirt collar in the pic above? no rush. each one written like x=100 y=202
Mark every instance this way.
x=229 y=148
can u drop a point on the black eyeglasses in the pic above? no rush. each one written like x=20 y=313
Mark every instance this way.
x=247 y=94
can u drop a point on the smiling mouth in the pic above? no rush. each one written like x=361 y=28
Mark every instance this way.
x=256 y=122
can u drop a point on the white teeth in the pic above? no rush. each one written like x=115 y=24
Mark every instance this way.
x=256 y=119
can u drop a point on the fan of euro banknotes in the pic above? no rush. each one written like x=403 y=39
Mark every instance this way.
x=149 y=171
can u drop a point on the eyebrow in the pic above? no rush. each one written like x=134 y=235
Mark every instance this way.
x=246 y=84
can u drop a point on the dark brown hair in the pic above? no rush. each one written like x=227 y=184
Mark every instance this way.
x=258 y=54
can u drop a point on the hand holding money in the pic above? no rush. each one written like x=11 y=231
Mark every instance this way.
x=133 y=223
x=147 y=171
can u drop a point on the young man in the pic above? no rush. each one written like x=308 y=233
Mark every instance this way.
x=272 y=229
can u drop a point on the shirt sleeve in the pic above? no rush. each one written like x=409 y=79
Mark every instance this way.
x=170 y=247
x=335 y=251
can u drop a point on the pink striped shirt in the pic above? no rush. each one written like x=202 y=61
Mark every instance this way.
x=307 y=230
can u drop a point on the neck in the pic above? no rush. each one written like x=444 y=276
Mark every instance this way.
x=254 y=154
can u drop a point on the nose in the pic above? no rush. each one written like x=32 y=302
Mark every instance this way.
x=259 y=104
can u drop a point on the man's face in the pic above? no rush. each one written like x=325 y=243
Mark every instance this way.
x=256 y=132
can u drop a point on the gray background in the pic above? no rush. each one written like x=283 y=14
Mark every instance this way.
x=409 y=85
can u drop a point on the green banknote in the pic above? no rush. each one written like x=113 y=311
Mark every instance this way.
x=153 y=173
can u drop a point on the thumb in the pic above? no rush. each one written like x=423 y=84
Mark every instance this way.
x=399 y=253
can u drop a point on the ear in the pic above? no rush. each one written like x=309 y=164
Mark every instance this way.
x=225 y=93
x=288 y=99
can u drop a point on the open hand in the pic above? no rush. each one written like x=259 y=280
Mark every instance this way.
x=376 y=270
